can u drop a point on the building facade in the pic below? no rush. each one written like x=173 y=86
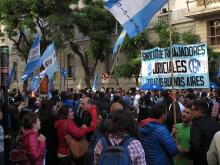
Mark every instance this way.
x=200 y=16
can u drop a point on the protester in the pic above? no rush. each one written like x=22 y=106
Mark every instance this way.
x=216 y=106
x=201 y=132
x=123 y=125
x=29 y=139
x=65 y=125
x=181 y=132
x=86 y=113
x=213 y=154
x=1 y=146
x=158 y=144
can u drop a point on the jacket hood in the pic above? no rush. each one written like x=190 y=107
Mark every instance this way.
x=148 y=126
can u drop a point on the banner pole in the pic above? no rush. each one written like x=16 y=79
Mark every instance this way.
x=171 y=63
x=113 y=66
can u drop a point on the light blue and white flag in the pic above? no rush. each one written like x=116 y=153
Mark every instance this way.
x=49 y=61
x=11 y=74
x=63 y=73
x=33 y=62
x=134 y=15
x=95 y=82
x=119 y=41
x=35 y=83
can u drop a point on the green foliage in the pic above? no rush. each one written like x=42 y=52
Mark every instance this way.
x=190 y=38
x=162 y=28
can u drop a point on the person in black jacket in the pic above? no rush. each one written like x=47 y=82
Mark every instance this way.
x=201 y=132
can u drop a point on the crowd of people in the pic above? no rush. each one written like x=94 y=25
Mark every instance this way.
x=122 y=127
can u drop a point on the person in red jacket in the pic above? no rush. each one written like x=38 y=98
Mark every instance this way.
x=29 y=139
x=65 y=125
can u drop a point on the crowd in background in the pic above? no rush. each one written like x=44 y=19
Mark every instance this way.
x=39 y=124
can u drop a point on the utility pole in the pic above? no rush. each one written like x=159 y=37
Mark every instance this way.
x=4 y=52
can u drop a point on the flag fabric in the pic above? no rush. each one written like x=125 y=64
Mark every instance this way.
x=134 y=15
x=218 y=75
x=42 y=74
x=49 y=61
x=50 y=87
x=10 y=76
x=35 y=83
x=119 y=41
x=95 y=82
x=34 y=61
x=63 y=73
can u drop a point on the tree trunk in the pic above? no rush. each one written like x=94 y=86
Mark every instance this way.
x=136 y=80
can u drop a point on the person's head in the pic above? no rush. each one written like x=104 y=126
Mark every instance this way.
x=115 y=106
x=85 y=103
x=180 y=98
x=123 y=122
x=186 y=115
x=159 y=112
x=65 y=112
x=189 y=99
x=199 y=108
x=31 y=121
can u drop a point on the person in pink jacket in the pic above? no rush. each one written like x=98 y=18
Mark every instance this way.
x=30 y=141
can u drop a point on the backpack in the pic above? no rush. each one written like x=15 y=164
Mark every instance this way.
x=115 y=154
x=19 y=157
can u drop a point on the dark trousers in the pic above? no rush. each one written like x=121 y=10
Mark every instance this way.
x=2 y=158
x=65 y=161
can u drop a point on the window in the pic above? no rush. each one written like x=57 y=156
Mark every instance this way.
x=15 y=67
x=70 y=64
x=215 y=32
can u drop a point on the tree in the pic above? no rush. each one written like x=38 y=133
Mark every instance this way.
x=162 y=29
x=131 y=48
x=98 y=24
x=56 y=21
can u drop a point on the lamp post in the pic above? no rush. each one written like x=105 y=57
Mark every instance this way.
x=4 y=87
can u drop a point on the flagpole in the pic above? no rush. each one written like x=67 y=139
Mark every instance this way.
x=113 y=66
x=171 y=63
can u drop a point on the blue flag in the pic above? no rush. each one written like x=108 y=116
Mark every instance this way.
x=134 y=15
x=35 y=83
x=49 y=61
x=119 y=41
x=63 y=73
x=95 y=82
x=33 y=62
x=11 y=74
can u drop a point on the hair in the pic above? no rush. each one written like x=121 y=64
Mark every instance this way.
x=202 y=106
x=158 y=110
x=29 y=119
x=123 y=122
x=191 y=96
x=63 y=112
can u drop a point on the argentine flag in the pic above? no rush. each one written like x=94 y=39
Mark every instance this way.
x=49 y=61
x=95 y=82
x=33 y=62
x=134 y=15
x=35 y=83
x=119 y=41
